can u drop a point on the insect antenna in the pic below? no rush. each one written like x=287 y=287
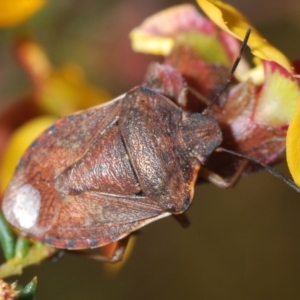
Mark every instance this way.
x=271 y=170
x=229 y=79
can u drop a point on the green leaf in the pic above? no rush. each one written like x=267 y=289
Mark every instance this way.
x=22 y=247
x=7 y=238
x=28 y=292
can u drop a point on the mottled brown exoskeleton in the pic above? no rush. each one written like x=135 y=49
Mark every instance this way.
x=97 y=175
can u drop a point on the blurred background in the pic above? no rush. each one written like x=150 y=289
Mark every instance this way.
x=242 y=243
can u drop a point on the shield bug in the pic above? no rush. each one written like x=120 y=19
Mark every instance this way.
x=96 y=176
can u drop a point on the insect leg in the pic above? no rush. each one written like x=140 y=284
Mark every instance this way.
x=117 y=255
x=220 y=181
x=182 y=219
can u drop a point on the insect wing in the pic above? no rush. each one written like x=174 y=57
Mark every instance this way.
x=32 y=202
x=94 y=219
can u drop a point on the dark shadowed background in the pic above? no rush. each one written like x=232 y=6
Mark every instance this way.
x=243 y=243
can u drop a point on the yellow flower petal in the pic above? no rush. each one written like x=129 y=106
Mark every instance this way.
x=278 y=98
x=58 y=91
x=293 y=146
x=13 y=12
x=157 y=34
x=19 y=142
x=33 y=59
x=147 y=43
x=67 y=90
x=232 y=21
x=114 y=269
x=256 y=74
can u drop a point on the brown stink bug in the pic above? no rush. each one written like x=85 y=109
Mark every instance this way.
x=95 y=176
x=98 y=175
